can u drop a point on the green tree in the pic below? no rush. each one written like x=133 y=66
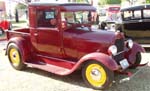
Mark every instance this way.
x=81 y=1
x=147 y=1
x=102 y=2
x=113 y=1
x=21 y=6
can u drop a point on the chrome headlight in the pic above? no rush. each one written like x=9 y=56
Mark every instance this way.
x=112 y=50
x=129 y=43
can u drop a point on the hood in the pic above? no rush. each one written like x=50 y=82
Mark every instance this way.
x=99 y=36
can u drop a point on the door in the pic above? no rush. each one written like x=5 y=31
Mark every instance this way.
x=48 y=34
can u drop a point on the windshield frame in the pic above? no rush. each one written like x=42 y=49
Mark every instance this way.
x=77 y=17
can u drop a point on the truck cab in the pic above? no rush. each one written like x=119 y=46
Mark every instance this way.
x=60 y=40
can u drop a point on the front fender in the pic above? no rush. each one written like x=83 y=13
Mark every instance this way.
x=23 y=46
x=100 y=57
x=131 y=54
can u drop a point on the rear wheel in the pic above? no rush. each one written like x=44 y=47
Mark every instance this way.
x=15 y=57
x=97 y=75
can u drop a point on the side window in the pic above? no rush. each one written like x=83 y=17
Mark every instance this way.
x=127 y=15
x=146 y=13
x=46 y=18
x=137 y=14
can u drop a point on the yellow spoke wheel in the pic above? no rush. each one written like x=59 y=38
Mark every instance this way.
x=97 y=75
x=15 y=57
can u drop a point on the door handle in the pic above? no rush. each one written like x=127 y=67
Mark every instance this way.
x=35 y=34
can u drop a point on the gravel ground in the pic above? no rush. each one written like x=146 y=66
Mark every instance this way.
x=38 y=80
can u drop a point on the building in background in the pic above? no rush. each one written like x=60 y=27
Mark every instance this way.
x=2 y=6
x=2 y=9
x=127 y=3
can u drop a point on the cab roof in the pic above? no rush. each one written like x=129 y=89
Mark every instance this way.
x=138 y=7
x=66 y=6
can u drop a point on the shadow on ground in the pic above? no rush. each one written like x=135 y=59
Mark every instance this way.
x=76 y=79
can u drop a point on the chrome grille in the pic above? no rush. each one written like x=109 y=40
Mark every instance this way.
x=120 y=44
x=120 y=47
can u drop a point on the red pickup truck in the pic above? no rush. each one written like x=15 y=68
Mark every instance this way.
x=60 y=40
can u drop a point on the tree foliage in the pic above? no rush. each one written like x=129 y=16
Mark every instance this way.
x=21 y=6
x=147 y=1
x=113 y=1
x=102 y=2
x=79 y=0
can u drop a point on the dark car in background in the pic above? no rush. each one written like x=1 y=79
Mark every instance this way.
x=136 y=24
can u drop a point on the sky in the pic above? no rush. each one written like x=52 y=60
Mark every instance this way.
x=10 y=6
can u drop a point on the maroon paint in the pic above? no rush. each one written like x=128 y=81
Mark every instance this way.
x=65 y=49
x=131 y=54
x=4 y=24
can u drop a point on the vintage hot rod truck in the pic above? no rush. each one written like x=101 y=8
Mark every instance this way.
x=60 y=40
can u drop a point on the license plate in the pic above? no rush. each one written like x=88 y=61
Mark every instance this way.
x=124 y=63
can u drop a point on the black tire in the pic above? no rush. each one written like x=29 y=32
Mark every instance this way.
x=98 y=77
x=15 y=57
x=137 y=61
x=103 y=25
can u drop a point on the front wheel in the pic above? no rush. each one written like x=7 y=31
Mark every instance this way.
x=137 y=61
x=15 y=57
x=97 y=75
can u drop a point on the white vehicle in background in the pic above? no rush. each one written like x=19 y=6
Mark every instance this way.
x=109 y=13
x=108 y=16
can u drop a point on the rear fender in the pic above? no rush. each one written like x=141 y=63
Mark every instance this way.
x=131 y=54
x=23 y=46
x=100 y=57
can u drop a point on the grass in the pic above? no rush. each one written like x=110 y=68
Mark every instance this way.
x=2 y=36
x=21 y=21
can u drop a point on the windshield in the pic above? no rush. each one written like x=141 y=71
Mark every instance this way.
x=111 y=9
x=79 y=17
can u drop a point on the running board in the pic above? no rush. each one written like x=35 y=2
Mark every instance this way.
x=50 y=68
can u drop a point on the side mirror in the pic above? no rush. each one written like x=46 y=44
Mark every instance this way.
x=64 y=25
x=53 y=22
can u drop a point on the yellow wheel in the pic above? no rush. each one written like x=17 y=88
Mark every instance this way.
x=14 y=56
x=97 y=75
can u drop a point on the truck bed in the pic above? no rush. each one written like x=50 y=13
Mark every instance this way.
x=23 y=32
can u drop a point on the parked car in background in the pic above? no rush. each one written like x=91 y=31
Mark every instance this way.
x=109 y=14
x=136 y=24
x=4 y=24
